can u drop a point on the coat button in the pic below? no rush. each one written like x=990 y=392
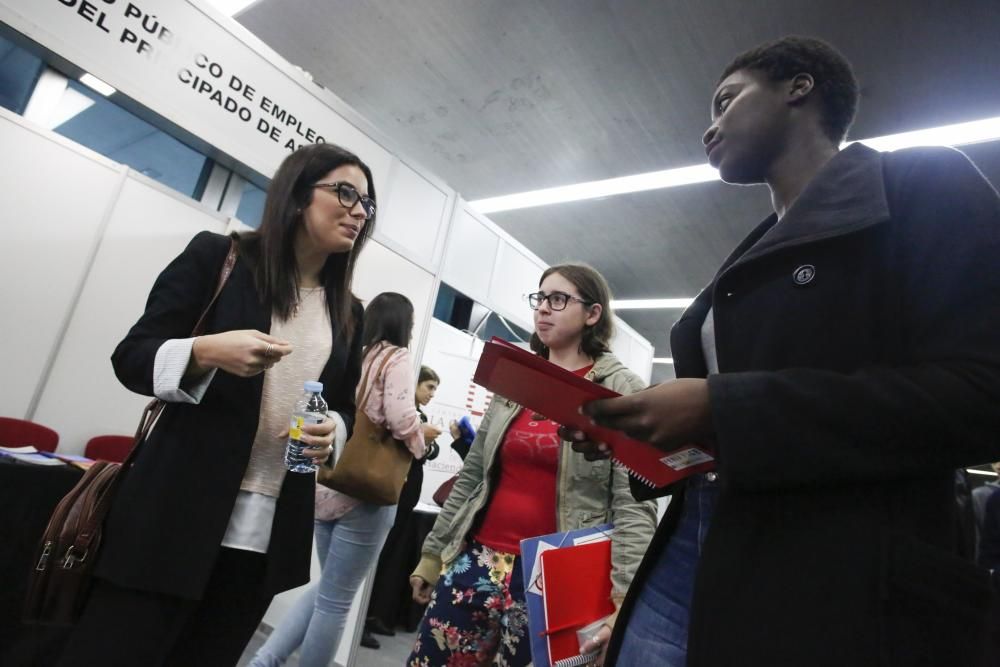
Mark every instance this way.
x=804 y=274
x=711 y=477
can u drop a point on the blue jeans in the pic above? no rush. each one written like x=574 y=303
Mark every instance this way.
x=657 y=630
x=347 y=550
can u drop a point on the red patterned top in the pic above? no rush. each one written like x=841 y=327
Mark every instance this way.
x=524 y=501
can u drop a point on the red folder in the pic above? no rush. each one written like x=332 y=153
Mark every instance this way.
x=576 y=591
x=539 y=385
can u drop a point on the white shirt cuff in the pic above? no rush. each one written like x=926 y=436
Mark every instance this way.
x=339 y=434
x=168 y=373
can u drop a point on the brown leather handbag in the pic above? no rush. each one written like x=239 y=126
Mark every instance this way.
x=441 y=494
x=374 y=465
x=64 y=566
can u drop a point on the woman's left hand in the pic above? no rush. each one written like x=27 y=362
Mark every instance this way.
x=598 y=642
x=319 y=437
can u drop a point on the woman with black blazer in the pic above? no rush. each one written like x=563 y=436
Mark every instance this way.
x=208 y=524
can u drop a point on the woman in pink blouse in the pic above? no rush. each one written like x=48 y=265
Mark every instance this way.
x=349 y=533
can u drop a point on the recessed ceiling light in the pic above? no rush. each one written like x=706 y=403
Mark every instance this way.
x=654 y=180
x=94 y=83
x=636 y=304
x=960 y=134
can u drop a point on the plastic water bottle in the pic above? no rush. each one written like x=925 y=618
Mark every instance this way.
x=310 y=409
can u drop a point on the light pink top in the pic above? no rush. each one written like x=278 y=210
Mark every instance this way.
x=391 y=403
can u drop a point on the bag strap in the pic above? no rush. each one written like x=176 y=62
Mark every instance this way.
x=364 y=383
x=368 y=387
x=149 y=416
x=155 y=407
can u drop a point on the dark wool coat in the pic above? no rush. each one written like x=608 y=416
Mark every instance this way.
x=859 y=356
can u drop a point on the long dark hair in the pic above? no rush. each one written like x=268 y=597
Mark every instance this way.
x=270 y=250
x=593 y=289
x=389 y=318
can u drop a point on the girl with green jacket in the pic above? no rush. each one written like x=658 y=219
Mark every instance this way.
x=520 y=480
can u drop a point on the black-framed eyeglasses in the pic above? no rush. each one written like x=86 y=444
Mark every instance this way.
x=349 y=196
x=557 y=300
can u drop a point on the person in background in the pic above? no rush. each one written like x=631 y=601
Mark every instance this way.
x=989 y=557
x=350 y=532
x=428 y=382
x=390 y=588
x=843 y=362
x=519 y=481
x=988 y=522
x=207 y=524
x=977 y=498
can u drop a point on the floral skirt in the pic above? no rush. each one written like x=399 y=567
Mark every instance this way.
x=477 y=614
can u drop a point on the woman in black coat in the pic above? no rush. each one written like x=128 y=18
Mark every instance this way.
x=842 y=363
x=207 y=526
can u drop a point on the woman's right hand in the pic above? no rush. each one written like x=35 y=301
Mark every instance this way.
x=245 y=353
x=581 y=442
x=421 y=589
x=431 y=433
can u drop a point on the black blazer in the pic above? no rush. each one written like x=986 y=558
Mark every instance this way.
x=860 y=365
x=168 y=519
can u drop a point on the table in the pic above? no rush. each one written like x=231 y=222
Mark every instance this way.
x=28 y=494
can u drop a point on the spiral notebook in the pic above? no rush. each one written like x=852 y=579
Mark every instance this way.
x=539 y=385
x=551 y=623
x=576 y=590
x=578 y=660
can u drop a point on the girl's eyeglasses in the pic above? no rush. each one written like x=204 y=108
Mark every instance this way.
x=349 y=197
x=557 y=300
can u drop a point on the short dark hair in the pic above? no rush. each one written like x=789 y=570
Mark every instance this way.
x=783 y=59
x=271 y=248
x=389 y=318
x=593 y=289
x=427 y=373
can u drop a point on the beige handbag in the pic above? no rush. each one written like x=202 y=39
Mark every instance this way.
x=374 y=465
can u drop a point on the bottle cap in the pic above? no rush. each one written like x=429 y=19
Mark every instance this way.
x=314 y=386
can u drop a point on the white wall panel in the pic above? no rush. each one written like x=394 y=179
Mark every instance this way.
x=412 y=219
x=381 y=270
x=54 y=201
x=642 y=358
x=149 y=226
x=453 y=354
x=515 y=276
x=632 y=350
x=470 y=255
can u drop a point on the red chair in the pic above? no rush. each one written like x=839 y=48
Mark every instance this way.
x=21 y=432
x=112 y=448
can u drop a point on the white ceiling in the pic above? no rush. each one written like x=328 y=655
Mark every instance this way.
x=502 y=96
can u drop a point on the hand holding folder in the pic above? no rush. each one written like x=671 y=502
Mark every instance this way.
x=540 y=385
x=589 y=568
x=576 y=590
